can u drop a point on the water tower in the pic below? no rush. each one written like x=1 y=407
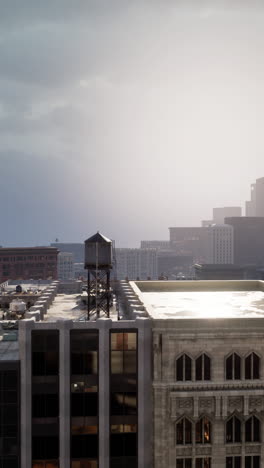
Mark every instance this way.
x=98 y=261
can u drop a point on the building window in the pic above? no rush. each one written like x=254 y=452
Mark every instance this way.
x=233 y=430
x=45 y=406
x=203 y=431
x=84 y=398
x=233 y=367
x=203 y=367
x=184 y=368
x=123 y=353
x=184 y=463
x=123 y=403
x=203 y=462
x=252 y=366
x=45 y=353
x=184 y=432
x=252 y=461
x=233 y=462
x=252 y=430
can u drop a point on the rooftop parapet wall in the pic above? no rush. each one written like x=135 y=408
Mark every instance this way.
x=191 y=286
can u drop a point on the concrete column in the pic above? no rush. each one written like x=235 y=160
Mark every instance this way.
x=104 y=325
x=65 y=393
x=145 y=423
x=25 y=328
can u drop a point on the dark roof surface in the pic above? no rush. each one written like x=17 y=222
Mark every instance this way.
x=98 y=237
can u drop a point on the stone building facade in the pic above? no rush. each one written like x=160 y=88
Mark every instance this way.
x=192 y=418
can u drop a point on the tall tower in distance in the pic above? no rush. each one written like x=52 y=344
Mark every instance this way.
x=260 y=197
x=250 y=208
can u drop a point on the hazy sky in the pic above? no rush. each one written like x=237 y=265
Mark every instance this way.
x=126 y=116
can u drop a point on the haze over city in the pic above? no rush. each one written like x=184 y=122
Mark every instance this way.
x=128 y=117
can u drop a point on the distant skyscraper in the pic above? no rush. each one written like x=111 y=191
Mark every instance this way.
x=219 y=214
x=248 y=240
x=218 y=244
x=260 y=197
x=250 y=207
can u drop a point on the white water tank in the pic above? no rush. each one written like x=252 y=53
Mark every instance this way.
x=17 y=307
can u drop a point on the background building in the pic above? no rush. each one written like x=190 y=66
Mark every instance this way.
x=248 y=240
x=135 y=264
x=28 y=262
x=218 y=244
x=206 y=244
x=77 y=249
x=65 y=266
x=255 y=206
x=155 y=244
x=219 y=214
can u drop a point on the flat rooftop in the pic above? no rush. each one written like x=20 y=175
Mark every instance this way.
x=201 y=299
x=70 y=307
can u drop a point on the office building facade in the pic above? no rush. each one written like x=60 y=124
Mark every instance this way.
x=28 y=262
x=248 y=240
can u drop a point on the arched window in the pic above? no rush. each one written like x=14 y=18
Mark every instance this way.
x=233 y=367
x=184 y=368
x=203 y=431
x=252 y=461
x=233 y=462
x=252 y=363
x=184 y=432
x=252 y=429
x=203 y=462
x=203 y=367
x=184 y=463
x=233 y=430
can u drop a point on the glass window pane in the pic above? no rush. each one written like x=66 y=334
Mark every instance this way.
x=256 y=429
x=188 y=431
x=237 y=430
x=207 y=431
x=229 y=430
x=188 y=368
x=179 y=369
x=117 y=341
x=248 y=462
x=117 y=362
x=248 y=367
x=229 y=366
x=198 y=368
x=255 y=366
x=179 y=463
x=179 y=432
x=237 y=365
x=130 y=341
x=130 y=362
x=207 y=367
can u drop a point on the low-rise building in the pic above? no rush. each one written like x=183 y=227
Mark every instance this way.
x=28 y=262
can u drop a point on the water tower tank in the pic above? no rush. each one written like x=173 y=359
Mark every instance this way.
x=17 y=307
x=98 y=253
